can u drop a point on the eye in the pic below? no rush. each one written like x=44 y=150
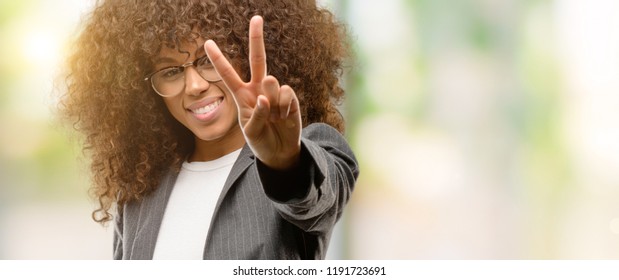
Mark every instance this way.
x=171 y=73
x=204 y=62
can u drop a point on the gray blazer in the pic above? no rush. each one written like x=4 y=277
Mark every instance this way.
x=261 y=213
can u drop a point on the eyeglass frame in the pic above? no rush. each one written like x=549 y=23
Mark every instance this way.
x=183 y=67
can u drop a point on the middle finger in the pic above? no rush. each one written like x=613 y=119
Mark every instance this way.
x=257 y=53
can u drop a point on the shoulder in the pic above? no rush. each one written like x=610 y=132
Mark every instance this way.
x=324 y=142
x=323 y=132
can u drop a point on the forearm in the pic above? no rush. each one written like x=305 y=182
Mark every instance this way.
x=313 y=195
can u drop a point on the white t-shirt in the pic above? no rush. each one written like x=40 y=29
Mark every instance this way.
x=187 y=217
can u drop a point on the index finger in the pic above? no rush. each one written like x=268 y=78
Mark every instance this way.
x=223 y=67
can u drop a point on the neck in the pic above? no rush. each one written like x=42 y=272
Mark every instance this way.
x=214 y=149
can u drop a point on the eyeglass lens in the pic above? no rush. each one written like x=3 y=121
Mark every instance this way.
x=170 y=81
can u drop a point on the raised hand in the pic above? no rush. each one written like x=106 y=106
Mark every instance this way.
x=269 y=114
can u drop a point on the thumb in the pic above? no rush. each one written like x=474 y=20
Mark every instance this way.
x=259 y=117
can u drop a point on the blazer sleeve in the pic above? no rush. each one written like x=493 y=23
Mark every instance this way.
x=312 y=196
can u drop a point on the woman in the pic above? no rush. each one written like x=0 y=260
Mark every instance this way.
x=198 y=163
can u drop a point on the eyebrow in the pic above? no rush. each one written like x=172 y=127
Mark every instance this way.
x=161 y=60
x=197 y=53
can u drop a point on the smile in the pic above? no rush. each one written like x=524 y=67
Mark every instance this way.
x=206 y=109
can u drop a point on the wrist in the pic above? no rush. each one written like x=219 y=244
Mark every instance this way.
x=284 y=161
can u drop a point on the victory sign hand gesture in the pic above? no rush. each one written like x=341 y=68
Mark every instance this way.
x=269 y=114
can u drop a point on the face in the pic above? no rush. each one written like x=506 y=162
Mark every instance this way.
x=206 y=108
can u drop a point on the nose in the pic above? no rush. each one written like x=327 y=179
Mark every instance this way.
x=194 y=83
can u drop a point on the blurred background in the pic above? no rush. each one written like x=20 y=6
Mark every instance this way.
x=485 y=129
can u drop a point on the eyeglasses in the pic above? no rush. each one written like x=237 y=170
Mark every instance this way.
x=170 y=81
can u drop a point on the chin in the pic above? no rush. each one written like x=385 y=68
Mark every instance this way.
x=208 y=135
x=215 y=133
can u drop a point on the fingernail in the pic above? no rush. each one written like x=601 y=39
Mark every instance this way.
x=284 y=114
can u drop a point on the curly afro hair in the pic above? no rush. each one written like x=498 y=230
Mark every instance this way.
x=129 y=134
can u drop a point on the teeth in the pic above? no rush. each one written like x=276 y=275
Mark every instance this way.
x=207 y=108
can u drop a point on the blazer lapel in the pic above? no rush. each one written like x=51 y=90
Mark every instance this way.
x=150 y=217
x=245 y=159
